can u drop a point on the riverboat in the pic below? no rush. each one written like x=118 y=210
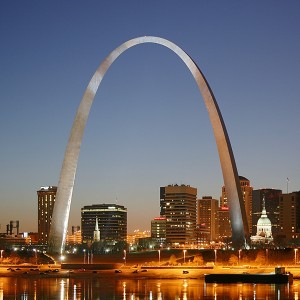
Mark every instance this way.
x=279 y=277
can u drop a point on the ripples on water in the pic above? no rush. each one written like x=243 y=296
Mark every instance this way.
x=99 y=288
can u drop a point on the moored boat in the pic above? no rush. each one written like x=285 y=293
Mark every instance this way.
x=280 y=276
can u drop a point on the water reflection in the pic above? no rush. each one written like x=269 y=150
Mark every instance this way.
x=133 y=289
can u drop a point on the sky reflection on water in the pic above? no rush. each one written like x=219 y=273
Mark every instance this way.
x=99 y=288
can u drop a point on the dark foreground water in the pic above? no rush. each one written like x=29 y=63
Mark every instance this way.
x=99 y=288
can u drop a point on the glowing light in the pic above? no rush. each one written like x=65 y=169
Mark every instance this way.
x=184 y=251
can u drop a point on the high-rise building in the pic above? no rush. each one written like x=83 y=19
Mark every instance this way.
x=46 y=200
x=224 y=224
x=112 y=222
x=247 y=197
x=290 y=215
x=178 y=206
x=158 y=229
x=272 y=198
x=207 y=216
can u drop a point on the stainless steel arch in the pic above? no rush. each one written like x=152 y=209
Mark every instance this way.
x=61 y=211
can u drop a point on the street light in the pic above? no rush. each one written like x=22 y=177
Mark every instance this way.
x=184 y=251
x=215 y=256
x=240 y=255
x=62 y=258
x=1 y=254
x=296 y=250
x=35 y=255
x=158 y=257
x=84 y=256
x=124 y=257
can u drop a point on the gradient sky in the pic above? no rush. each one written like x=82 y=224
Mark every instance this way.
x=148 y=126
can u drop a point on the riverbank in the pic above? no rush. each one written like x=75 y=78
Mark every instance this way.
x=134 y=273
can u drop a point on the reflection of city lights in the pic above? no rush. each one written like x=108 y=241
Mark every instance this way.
x=62 y=290
x=157 y=289
x=1 y=290
x=185 y=284
x=124 y=290
x=159 y=293
x=74 y=291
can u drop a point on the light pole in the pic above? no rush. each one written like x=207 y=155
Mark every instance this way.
x=62 y=258
x=215 y=256
x=1 y=254
x=296 y=250
x=84 y=256
x=35 y=255
x=159 y=257
x=184 y=251
x=124 y=257
x=240 y=250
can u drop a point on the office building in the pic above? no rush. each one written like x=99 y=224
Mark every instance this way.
x=289 y=215
x=178 y=206
x=158 y=230
x=207 y=216
x=112 y=223
x=46 y=200
x=224 y=225
x=75 y=237
x=247 y=197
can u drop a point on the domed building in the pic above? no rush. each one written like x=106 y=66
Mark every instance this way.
x=264 y=229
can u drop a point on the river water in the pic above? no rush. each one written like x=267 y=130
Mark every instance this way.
x=101 y=288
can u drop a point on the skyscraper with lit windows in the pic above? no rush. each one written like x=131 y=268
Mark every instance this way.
x=207 y=216
x=178 y=206
x=247 y=190
x=111 y=219
x=46 y=200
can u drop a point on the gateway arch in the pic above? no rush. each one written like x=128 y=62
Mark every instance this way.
x=60 y=217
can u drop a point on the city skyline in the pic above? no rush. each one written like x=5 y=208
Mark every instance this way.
x=148 y=126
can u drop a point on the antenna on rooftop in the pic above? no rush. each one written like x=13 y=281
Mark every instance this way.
x=287 y=185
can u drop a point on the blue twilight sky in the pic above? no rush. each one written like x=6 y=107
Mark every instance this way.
x=148 y=126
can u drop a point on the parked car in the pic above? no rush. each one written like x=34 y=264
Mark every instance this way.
x=118 y=271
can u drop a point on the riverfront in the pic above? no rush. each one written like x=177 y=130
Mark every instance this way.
x=140 y=278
